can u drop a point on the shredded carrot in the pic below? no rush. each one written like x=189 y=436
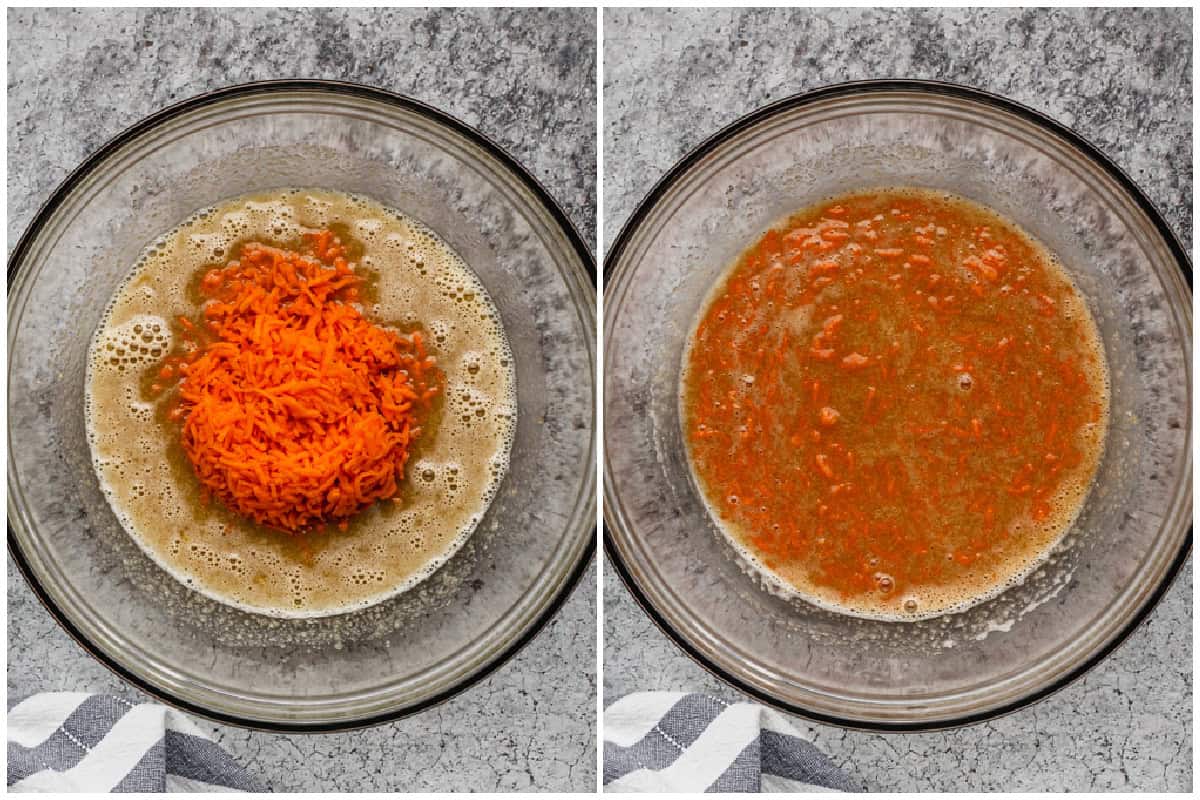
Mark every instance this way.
x=297 y=411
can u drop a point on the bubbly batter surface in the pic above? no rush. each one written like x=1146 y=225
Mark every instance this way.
x=894 y=403
x=414 y=281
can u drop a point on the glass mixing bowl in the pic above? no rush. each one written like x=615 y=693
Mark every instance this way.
x=1134 y=531
x=406 y=653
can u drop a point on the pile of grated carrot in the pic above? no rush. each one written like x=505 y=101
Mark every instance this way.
x=297 y=411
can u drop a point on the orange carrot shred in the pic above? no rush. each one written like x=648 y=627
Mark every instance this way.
x=298 y=412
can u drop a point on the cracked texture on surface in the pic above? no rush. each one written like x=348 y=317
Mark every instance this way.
x=1121 y=78
x=523 y=78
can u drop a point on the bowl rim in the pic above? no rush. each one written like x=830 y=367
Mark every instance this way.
x=729 y=133
x=346 y=89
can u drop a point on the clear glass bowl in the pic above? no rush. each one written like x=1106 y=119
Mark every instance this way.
x=406 y=653
x=1134 y=531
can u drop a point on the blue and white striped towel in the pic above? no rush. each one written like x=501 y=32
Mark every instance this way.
x=675 y=742
x=77 y=742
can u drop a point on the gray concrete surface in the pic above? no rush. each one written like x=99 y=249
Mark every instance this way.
x=1122 y=78
x=526 y=79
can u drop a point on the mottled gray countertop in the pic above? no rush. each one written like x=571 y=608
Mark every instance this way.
x=525 y=78
x=1122 y=78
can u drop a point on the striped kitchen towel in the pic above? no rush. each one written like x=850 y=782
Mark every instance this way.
x=675 y=742
x=76 y=742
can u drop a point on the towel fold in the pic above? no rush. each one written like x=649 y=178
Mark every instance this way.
x=676 y=742
x=77 y=742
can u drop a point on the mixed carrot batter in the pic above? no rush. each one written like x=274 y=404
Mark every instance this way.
x=895 y=402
